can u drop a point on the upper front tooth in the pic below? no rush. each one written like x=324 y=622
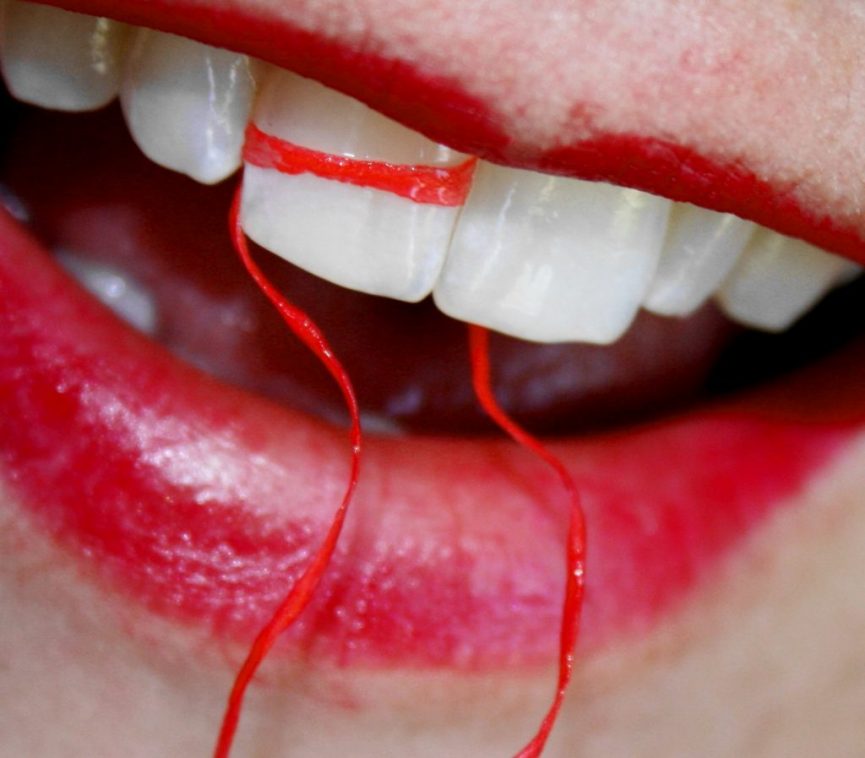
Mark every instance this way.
x=700 y=249
x=539 y=257
x=357 y=236
x=187 y=104
x=551 y=259
x=777 y=279
x=61 y=60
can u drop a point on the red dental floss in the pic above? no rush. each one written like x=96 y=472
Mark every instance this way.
x=432 y=185
x=423 y=184
x=576 y=540
x=302 y=590
x=446 y=186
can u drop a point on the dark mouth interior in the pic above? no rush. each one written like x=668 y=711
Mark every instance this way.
x=89 y=192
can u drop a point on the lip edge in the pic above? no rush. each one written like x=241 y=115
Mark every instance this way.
x=442 y=111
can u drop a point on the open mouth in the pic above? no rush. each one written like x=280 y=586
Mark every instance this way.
x=207 y=449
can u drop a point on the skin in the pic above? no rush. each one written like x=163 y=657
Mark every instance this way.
x=762 y=660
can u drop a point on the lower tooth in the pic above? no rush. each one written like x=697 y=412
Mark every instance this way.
x=701 y=248
x=61 y=60
x=550 y=259
x=777 y=279
x=114 y=289
x=360 y=237
x=187 y=104
x=13 y=205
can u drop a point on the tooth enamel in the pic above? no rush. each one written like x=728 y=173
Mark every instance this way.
x=700 y=249
x=13 y=205
x=187 y=104
x=551 y=259
x=543 y=258
x=359 y=237
x=125 y=297
x=777 y=279
x=61 y=60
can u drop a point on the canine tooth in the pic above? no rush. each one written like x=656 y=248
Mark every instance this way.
x=551 y=259
x=187 y=104
x=61 y=60
x=777 y=279
x=114 y=289
x=358 y=237
x=700 y=249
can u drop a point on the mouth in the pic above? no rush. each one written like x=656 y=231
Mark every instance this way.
x=208 y=456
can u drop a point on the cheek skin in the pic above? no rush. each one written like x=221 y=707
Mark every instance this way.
x=761 y=662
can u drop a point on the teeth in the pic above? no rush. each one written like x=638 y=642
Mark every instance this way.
x=551 y=259
x=544 y=258
x=777 y=279
x=187 y=104
x=701 y=248
x=125 y=297
x=61 y=60
x=359 y=237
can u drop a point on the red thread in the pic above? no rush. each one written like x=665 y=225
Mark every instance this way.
x=430 y=185
x=301 y=592
x=576 y=540
x=423 y=184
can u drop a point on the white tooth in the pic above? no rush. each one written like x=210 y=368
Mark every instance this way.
x=700 y=249
x=187 y=104
x=777 y=279
x=125 y=297
x=359 y=237
x=551 y=259
x=14 y=206
x=61 y=60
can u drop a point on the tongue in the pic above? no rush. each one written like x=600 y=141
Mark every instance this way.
x=89 y=192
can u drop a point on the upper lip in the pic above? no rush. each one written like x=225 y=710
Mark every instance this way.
x=754 y=172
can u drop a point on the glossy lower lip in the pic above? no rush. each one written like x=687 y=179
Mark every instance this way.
x=201 y=502
x=441 y=109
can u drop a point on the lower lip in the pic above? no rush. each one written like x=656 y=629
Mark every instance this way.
x=203 y=503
